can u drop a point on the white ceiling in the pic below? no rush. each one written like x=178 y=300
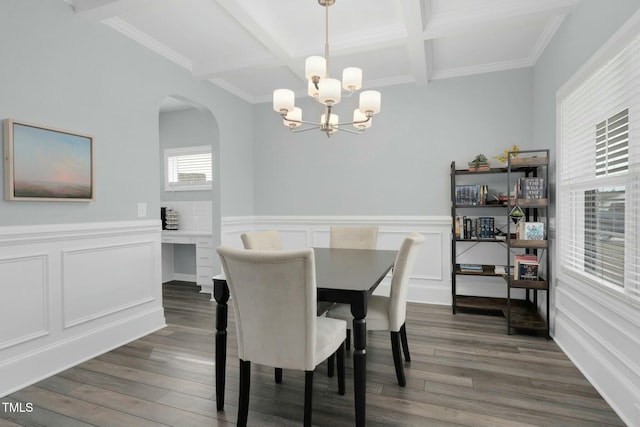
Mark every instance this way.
x=251 y=47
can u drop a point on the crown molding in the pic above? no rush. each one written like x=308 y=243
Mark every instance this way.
x=148 y=42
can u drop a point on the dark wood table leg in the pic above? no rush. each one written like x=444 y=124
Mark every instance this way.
x=359 y=312
x=221 y=295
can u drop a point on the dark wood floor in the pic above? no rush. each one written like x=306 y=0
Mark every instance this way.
x=465 y=371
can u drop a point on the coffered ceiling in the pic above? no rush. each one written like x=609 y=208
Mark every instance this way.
x=251 y=47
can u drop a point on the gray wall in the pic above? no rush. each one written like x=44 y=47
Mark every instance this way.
x=62 y=71
x=400 y=166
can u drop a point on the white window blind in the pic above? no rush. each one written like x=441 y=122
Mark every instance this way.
x=188 y=168
x=612 y=144
x=598 y=198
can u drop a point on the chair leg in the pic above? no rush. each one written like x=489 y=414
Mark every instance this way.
x=308 y=388
x=330 y=364
x=278 y=375
x=405 y=343
x=347 y=342
x=397 y=358
x=243 y=403
x=340 y=357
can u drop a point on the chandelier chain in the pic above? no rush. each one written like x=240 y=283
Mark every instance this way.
x=326 y=36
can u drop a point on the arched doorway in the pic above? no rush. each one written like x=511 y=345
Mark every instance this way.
x=184 y=124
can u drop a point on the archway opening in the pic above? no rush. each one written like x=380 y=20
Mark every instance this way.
x=184 y=126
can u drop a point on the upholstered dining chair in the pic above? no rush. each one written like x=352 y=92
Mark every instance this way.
x=270 y=240
x=350 y=237
x=389 y=313
x=261 y=285
x=262 y=240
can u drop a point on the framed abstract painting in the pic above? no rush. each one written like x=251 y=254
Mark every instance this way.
x=47 y=164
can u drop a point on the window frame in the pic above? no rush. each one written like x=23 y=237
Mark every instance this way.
x=570 y=218
x=188 y=185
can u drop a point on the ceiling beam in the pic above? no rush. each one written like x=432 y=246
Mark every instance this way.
x=413 y=16
x=465 y=20
x=100 y=10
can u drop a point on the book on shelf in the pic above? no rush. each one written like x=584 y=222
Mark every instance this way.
x=471 y=194
x=522 y=258
x=500 y=269
x=527 y=270
x=531 y=230
x=471 y=268
x=486 y=227
x=474 y=228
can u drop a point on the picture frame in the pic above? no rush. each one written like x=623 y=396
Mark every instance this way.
x=532 y=231
x=47 y=164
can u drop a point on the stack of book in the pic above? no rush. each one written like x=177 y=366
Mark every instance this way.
x=475 y=228
x=525 y=267
x=471 y=268
x=471 y=195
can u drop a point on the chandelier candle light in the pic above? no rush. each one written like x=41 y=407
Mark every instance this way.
x=328 y=92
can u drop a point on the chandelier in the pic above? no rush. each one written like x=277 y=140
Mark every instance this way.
x=328 y=92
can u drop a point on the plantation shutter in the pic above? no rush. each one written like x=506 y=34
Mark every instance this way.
x=598 y=194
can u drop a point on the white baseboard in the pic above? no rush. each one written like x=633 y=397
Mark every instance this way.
x=43 y=362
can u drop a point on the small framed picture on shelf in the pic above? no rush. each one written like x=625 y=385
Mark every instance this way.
x=531 y=230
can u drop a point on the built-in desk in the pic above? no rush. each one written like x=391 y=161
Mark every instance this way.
x=203 y=242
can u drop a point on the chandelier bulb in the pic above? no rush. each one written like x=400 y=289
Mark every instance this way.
x=293 y=119
x=370 y=102
x=315 y=68
x=283 y=100
x=329 y=91
x=352 y=79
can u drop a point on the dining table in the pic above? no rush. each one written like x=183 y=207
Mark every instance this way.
x=347 y=276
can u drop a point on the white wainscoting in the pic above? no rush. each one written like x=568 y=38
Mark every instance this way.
x=430 y=281
x=70 y=292
x=600 y=332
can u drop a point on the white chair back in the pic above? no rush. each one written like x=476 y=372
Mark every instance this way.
x=262 y=240
x=353 y=237
x=273 y=294
x=402 y=268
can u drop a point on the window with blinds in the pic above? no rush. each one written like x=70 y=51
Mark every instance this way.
x=598 y=198
x=188 y=168
x=612 y=144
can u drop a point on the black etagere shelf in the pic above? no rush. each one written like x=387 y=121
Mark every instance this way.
x=526 y=172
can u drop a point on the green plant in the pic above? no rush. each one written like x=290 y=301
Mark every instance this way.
x=516 y=214
x=480 y=159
